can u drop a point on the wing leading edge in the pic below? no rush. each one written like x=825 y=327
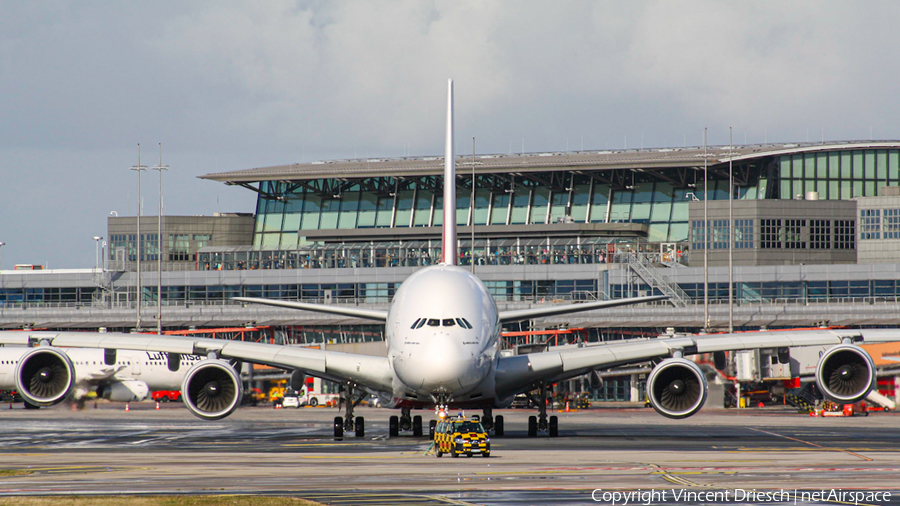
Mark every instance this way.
x=517 y=373
x=368 y=314
x=370 y=371
x=525 y=314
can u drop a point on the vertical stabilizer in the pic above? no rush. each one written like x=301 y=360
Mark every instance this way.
x=449 y=254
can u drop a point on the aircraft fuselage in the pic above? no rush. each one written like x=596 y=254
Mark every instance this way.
x=442 y=338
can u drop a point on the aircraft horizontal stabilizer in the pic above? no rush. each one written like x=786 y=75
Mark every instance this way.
x=368 y=314
x=536 y=312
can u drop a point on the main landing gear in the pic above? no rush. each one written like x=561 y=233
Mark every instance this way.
x=347 y=422
x=541 y=422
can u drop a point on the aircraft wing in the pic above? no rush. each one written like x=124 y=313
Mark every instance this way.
x=536 y=312
x=517 y=373
x=369 y=314
x=370 y=371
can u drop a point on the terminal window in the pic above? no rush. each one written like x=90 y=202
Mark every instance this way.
x=698 y=235
x=793 y=234
x=870 y=224
x=770 y=234
x=743 y=234
x=844 y=234
x=819 y=234
x=719 y=234
x=891 y=224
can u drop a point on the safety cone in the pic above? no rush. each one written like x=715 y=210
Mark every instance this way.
x=126 y=408
x=157 y=404
x=760 y=405
x=10 y=405
x=95 y=404
x=567 y=406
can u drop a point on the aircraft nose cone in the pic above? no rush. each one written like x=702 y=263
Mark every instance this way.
x=439 y=363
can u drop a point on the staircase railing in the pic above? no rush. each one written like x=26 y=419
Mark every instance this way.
x=645 y=270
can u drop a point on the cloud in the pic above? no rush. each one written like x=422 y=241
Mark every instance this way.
x=231 y=85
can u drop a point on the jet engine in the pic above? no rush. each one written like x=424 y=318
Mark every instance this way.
x=45 y=376
x=677 y=388
x=845 y=373
x=124 y=391
x=212 y=389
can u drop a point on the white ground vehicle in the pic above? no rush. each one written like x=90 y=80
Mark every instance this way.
x=319 y=392
x=290 y=401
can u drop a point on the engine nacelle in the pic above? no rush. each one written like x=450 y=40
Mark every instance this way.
x=845 y=373
x=212 y=389
x=124 y=391
x=45 y=376
x=677 y=388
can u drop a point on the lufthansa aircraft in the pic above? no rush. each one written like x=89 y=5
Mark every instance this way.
x=442 y=339
x=115 y=375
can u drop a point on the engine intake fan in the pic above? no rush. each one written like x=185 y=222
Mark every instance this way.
x=45 y=376
x=212 y=389
x=677 y=388
x=845 y=373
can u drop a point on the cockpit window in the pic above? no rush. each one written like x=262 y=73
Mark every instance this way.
x=437 y=322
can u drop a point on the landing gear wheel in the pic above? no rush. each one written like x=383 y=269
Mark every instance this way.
x=554 y=426
x=360 y=427
x=498 y=426
x=394 y=426
x=431 y=425
x=338 y=427
x=532 y=426
x=417 y=426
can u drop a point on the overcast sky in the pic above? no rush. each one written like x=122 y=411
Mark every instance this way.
x=226 y=85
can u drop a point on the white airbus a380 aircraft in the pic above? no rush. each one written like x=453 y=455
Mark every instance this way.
x=116 y=375
x=442 y=334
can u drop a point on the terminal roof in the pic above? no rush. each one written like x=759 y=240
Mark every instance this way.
x=659 y=158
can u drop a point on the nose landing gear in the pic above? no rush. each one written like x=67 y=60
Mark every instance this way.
x=405 y=422
x=490 y=422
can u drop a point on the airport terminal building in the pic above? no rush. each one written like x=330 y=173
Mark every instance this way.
x=816 y=230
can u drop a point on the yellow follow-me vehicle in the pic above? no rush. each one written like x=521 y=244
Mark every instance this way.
x=461 y=436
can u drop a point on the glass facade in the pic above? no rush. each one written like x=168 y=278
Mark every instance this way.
x=281 y=221
x=656 y=198
x=838 y=175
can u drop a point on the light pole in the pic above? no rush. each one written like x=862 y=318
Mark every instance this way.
x=731 y=233
x=1 y=247
x=705 y=237
x=160 y=168
x=97 y=240
x=472 y=249
x=139 y=168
